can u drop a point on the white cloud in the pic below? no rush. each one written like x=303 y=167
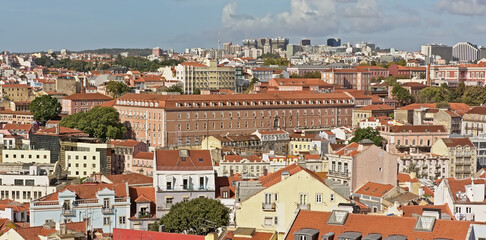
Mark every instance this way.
x=463 y=7
x=313 y=18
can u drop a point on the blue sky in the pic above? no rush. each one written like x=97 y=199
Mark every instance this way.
x=33 y=25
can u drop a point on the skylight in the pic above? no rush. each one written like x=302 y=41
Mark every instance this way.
x=338 y=217
x=425 y=223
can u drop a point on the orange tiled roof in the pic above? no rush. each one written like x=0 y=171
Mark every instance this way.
x=405 y=177
x=454 y=142
x=63 y=131
x=89 y=190
x=142 y=194
x=411 y=210
x=144 y=155
x=374 y=189
x=460 y=186
x=172 y=160
x=418 y=128
x=385 y=225
x=130 y=178
x=230 y=235
x=88 y=96
x=376 y=107
x=125 y=142
x=276 y=177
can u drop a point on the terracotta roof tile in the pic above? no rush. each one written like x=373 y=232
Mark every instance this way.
x=418 y=128
x=385 y=225
x=180 y=160
x=410 y=211
x=405 y=177
x=144 y=155
x=88 y=96
x=374 y=189
x=230 y=235
x=89 y=190
x=454 y=142
x=130 y=178
x=376 y=107
x=276 y=177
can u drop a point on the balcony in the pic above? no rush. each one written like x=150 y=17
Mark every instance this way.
x=144 y=215
x=67 y=212
x=107 y=210
x=304 y=206
x=270 y=207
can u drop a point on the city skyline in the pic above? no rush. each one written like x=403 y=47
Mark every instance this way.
x=181 y=24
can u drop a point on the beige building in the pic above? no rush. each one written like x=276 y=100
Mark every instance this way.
x=248 y=167
x=301 y=143
x=26 y=156
x=412 y=138
x=425 y=165
x=406 y=114
x=271 y=202
x=17 y=92
x=462 y=155
x=208 y=76
x=474 y=121
x=358 y=163
x=85 y=158
x=366 y=112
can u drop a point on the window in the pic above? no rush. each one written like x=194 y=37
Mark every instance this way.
x=318 y=198
x=332 y=197
x=106 y=203
x=458 y=209
x=468 y=210
x=268 y=221
x=122 y=220
x=106 y=221
x=276 y=197
x=275 y=221
x=19 y=182
x=29 y=182
x=169 y=185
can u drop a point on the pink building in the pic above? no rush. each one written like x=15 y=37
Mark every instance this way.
x=82 y=102
x=412 y=138
x=142 y=163
x=353 y=78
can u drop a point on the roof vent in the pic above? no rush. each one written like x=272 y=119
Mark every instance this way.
x=184 y=153
x=285 y=174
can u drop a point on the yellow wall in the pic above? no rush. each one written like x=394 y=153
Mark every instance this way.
x=251 y=214
x=294 y=147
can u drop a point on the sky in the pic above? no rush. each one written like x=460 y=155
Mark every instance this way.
x=33 y=25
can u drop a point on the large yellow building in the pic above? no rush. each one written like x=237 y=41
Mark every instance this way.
x=208 y=76
x=280 y=196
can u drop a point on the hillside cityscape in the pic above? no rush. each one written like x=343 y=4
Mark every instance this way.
x=371 y=129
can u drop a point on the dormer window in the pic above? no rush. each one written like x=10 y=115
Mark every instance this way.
x=220 y=104
x=203 y=104
x=178 y=104
x=211 y=104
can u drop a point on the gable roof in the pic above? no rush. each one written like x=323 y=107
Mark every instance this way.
x=180 y=160
x=144 y=155
x=63 y=131
x=457 y=186
x=125 y=142
x=374 y=189
x=405 y=177
x=413 y=210
x=276 y=177
x=454 y=142
x=89 y=190
x=417 y=128
x=119 y=234
x=376 y=107
x=142 y=195
x=384 y=225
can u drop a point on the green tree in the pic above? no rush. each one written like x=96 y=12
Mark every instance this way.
x=294 y=75
x=99 y=122
x=175 y=88
x=116 y=89
x=45 y=108
x=434 y=94
x=197 y=91
x=461 y=88
x=199 y=216
x=367 y=133
x=474 y=95
x=401 y=94
x=402 y=62
x=315 y=74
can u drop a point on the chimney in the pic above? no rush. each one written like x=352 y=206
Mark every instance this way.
x=428 y=75
x=57 y=129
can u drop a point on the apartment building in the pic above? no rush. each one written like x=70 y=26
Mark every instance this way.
x=409 y=72
x=16 y=92
x=123 y=153
x=16 y=117
x=425 y=165
x=412 y=138
x=465 y=198
x=358 y=163
x=209 y=75
x=26 y=186
x=142 y=162
x=462 y=155
x=172 y=120
x=409 y=113
x=82 y=102
x=182 y=175
x=26 y=156
x=353 y=78
x=366 y=112
x=271 y=202
x=82 y=157
x=474 y=121
x=105 y=206
x=250 y=167
x=301 y=142
x=470 y=74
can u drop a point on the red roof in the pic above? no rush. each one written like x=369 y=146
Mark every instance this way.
x=230 y=235
x=374 y=189
x=376 y=107
x=348 y=150
x=410 y=211
x=126 y=234
x=63 y=131
x=142 y=195
x=144 y=155
x=418 y=129
x=238 y=158
x=193 y=64
x=405 y=177
x=459 y=108
x=384 y=225
x=276 y=177
x=180 y=160
x=125 y=143
x=16 y=127
x=88 y=96
x=460 y=186
x=130 y=178
x=477 y=110
x=454 y=142
x=89 y=190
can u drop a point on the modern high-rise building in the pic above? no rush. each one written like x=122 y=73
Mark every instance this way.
x=465 y=52
x=334 y=42
x=444 y=51
x=305 y=42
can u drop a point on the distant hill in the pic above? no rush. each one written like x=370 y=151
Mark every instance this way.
x=115 y=51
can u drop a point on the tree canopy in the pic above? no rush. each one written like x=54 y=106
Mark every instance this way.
x=45 y=108
x=474 y=95
x=145 y=65
x=99 y=122
x=198 y=216
x=276 y=61
x=401 y=94
x=367 y=133
x=116 y=89
x=175 y=88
